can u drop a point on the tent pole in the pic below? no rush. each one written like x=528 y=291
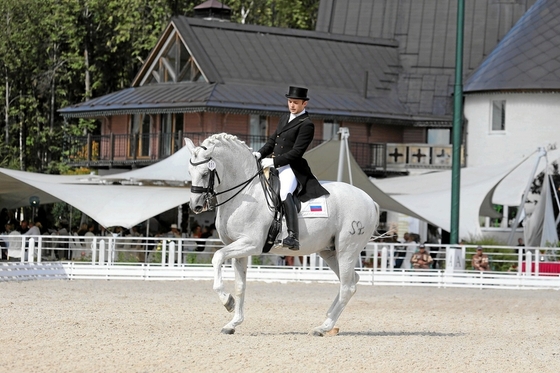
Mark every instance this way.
x=344 y=134
x=348 y=159
x=555 y=197
x=521 y=208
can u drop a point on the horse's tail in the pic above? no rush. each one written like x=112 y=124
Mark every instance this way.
x=376 y=235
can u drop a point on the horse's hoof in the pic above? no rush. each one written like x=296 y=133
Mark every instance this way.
x=230 y=304
x=317 y=333
x=333 y=331
x=228 y=331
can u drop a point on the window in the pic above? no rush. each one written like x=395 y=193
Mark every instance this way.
x=140 y=125
x=330 y=129
x=257 y=131
x=499 y=115
x=439 y=136
x=171 y=125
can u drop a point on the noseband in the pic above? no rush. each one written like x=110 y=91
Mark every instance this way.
x=210 y=196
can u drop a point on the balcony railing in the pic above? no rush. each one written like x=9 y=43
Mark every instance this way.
x=130 y=150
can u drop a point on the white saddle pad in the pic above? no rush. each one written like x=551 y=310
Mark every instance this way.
x=315 y=208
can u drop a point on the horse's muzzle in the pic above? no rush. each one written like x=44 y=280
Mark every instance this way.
x=198 y=209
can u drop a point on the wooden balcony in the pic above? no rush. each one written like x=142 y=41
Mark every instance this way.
x=138 y=150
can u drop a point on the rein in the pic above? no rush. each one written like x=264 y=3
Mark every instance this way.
x=210 y=194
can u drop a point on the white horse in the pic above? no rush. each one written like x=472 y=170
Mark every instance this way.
x=225 y=175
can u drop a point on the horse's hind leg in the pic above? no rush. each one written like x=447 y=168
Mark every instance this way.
x=240 y=268
x=348 y=280
x=329 y=256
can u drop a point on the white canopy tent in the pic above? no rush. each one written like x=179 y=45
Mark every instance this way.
x=430 y=194
x=129 y=198
x=323 y=161
x=124 y=199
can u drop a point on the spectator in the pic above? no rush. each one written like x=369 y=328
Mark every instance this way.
x=421 y=259
x=522 y=251
x=83 y=229
x=480 y=260
x=400 y=252
x=4 y=241
x=34 y=229
x=23 y=226
x=174 y=232
x=14 y=245
x=412 y=239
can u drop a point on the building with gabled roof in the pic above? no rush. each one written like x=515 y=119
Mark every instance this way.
x=512 y=100
x=204 y=77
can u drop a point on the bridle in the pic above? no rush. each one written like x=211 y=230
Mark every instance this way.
x=210 y=195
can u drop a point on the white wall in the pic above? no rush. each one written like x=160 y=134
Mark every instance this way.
x=532 y=120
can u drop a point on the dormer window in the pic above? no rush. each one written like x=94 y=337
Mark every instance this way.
x=175 y=64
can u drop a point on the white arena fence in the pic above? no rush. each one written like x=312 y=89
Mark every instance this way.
x=163 y=258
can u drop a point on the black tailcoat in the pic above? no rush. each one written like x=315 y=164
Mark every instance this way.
x=287 y=145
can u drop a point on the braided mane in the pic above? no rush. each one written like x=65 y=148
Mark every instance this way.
x=225 y=138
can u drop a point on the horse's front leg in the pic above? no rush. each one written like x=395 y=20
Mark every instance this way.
x=226 y=298
x=240 y=268
x=239 y=250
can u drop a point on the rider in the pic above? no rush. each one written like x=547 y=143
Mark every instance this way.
x=287 y=145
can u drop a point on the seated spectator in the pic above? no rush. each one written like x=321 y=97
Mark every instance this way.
x=480 y=260
x=34 y=229
x=421 y=259
x=14 y=245
x=174 y=232
x=23 y=226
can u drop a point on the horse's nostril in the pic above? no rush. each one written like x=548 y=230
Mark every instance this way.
x=198 y=209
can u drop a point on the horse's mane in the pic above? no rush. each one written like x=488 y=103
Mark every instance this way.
x=221 y=138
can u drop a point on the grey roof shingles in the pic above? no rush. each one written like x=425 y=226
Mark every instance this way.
x=426 y=33
x=528 y=58
x=250 y=68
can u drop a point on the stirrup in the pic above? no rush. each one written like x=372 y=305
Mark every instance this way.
x=291 y=242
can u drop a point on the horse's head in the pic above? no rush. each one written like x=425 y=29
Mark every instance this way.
x=219 y=158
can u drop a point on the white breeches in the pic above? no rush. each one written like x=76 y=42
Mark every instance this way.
x=288 y=181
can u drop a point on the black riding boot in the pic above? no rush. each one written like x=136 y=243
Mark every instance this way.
x=290 y=211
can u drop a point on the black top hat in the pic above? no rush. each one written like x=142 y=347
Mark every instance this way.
x=298 y=93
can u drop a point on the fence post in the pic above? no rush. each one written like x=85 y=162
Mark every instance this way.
x=134 y=146
x=375 y=254
x=391 y=258
x=89 y=148
x=93 y=251
x=171 y=261
x=452 y=258
x=384 y=258
x=22 y=250
x=163 y=252
x=313 y=262
x=528 y=262
x=179 y=252
x=31 y=250
x=111 y=147
x=39 y=249
x=102 y=252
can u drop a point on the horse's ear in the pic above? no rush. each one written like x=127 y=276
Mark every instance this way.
x=189 y=144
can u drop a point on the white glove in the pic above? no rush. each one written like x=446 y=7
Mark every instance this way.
x=257 y=155
x=267 y=162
